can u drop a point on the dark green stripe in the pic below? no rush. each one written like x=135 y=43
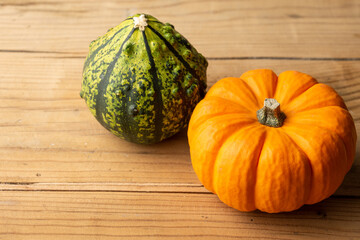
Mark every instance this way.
x=157 y=89
x=100 y=99
x=154 y=21
x=94 y=53
x=181 y=59
x=177 y=55
x=127 y=122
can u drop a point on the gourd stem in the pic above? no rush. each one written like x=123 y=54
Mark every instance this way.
x=270 y=115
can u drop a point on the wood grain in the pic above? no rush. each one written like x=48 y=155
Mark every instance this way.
x=63 y=176
x=229 y=28
x=74 y=215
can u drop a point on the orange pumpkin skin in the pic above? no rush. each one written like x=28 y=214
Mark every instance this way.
x=274 y=169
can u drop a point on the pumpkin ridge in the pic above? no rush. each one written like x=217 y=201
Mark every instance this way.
x=238 y=134
x=327 y=190
x=241 y=117
x=227 y=100
x=251 y=91
x=294 y=98
x=209 y=101
x=326 y=92
x=99 y=99
x=261 y=146
x=157 y=89
x=305 y=82
x=329 y=130
x=209 y=117
x=255 y=81
x=308 y=159
x=314 y=108
x=230 y=101
x=181 y=59
x=219 y=146
x=211 y=93
x=227 y=122
x=96 y=51
x=276 y=86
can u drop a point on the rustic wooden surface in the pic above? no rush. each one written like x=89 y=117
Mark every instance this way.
x=62 y=176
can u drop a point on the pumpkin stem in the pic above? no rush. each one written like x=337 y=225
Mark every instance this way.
x=270 y=115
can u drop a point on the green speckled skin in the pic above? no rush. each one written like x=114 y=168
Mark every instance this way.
x=143 y=85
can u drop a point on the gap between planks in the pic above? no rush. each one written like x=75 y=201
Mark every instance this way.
x=106 y=187
x=175 y=188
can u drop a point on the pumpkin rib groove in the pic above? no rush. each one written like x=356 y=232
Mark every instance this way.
x=308 y=159
x=250 y=89
x=102 y=46
x=220 y=145
x=329 y=130
x=157 y=89
x=230 y=101
x=300 y=87
x=102 y=86
x=315 y=108
x=345 y=152
x=282 y=174
x=276 y=87
x=340 y=102
x=261 y=146
x=241 y=116
x=223 y=181
x=217 y=94
x=212 y=101
x=181 y=59
x=254 y=80
x=225 y=122
x=294 y=98
x=346 y=149
x=246 y=110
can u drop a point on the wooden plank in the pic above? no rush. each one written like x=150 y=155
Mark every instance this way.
x=48 y=135
x=93 y=215
x=226 y=28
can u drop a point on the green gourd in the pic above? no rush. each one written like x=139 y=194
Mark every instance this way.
x=142 y=80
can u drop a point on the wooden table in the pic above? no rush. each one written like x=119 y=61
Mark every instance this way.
x=63 y=176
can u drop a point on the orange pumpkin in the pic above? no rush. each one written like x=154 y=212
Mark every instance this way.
x=293 y=150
